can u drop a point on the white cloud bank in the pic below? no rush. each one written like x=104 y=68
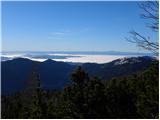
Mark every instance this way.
x=79 y=58
x=91 y=58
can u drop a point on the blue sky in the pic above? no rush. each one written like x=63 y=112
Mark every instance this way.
x=71 y=26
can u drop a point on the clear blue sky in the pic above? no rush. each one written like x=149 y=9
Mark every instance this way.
x=71 y=26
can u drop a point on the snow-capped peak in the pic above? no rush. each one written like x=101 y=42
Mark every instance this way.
x=125 y=60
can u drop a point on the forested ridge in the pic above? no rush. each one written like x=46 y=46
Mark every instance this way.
x=133 y=96
x=56 y=75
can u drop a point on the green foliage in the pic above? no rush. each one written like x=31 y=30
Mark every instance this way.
x=135 y=96
x=148 y=93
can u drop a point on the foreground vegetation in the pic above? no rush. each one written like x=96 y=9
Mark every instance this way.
x=135 y=96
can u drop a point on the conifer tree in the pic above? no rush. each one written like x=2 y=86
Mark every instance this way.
x=73 y=95
x=38 y=104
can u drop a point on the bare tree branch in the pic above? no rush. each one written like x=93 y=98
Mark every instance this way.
x=150 y=11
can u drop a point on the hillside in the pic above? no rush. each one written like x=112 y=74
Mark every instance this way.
x=131 y=97
x=55 y=75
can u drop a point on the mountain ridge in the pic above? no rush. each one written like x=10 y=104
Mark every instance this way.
x=55 y=75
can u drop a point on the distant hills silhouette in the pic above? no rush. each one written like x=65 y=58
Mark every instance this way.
x=55 y=75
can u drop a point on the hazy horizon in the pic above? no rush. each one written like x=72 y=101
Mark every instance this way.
x=110 y=51
x=74 y=56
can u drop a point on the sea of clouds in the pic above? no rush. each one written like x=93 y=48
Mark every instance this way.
x=75 y=58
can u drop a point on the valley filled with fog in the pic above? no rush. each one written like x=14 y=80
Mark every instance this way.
x=67 y=57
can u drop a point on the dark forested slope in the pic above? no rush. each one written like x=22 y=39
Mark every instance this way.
x=133 y=96
x=55 y=75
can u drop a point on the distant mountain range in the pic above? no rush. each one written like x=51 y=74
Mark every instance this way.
x=55 y=75
x=77 y=52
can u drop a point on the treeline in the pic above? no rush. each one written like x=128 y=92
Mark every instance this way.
x=135 y=96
